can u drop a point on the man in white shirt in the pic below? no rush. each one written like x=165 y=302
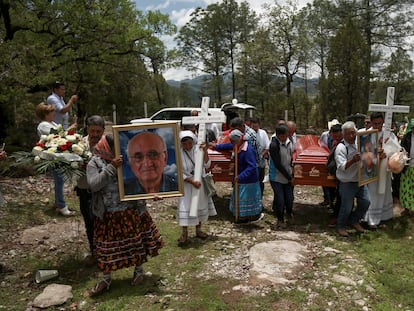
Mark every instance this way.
x=347 y=158
x=263 y=143
x=62 y=109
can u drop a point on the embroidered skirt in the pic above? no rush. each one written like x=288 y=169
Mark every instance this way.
x=249 y=201
x=125 y=238
x=407 y=188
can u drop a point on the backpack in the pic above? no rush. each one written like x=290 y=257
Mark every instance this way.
x=331 y=163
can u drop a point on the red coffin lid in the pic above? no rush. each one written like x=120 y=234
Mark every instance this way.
x=309 y=151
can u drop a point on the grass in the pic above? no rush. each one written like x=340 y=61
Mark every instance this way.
x=380 y=261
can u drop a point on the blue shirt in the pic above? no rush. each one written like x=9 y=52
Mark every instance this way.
x=168 y=183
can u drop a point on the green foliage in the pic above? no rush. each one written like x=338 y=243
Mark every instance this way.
x=64 y=167
x=212 y=40
x=98 y=48
x=347 y=79
x=110 y=54
x=289 y=40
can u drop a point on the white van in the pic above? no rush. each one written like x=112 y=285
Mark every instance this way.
x=176 y=114
x=227 y=110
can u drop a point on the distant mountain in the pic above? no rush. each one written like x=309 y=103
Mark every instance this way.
x=195 y=86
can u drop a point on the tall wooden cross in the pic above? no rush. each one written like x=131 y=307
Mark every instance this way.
x=389 y=109
x=202 y=119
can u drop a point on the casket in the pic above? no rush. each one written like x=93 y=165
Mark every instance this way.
x=309 y=163
x=222 y=165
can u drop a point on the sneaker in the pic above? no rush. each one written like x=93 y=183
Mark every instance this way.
x=259 y=218
x=64 y=211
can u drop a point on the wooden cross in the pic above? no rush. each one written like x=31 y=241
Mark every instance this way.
x=202 y=119
x=389 y=109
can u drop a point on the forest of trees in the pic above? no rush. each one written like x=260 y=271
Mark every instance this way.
x=111 y=54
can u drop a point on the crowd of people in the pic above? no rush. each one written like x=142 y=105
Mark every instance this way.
x=374 y=199
x=121 y=233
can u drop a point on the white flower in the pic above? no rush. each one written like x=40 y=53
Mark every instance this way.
x=71 y=138
x=51 y=150
x=36 y=159
x=74 y=164
x=77 y=149
x=37 y=150
x=87 y=154
x=50 y=137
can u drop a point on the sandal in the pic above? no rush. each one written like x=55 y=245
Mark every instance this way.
x=201 y=235
x=138 y=276
x=100 y=287
x=183 y=240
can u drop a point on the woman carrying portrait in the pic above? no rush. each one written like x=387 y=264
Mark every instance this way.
x=124 y=233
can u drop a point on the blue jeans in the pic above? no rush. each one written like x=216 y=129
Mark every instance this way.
x=282 y=199
x=348 y=191
x=59 y=184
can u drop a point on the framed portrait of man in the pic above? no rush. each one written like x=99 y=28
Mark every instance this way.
x=151 y=160
x=368 y=168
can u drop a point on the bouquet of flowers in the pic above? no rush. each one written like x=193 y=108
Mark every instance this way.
x=64 y=151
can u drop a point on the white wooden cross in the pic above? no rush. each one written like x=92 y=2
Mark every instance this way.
x=389 y=109
x=202 y=119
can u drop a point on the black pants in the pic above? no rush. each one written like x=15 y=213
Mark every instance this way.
x=85 y=199
x=261 y=178
x=395 y=185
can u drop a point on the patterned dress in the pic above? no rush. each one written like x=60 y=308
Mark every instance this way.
x=124 y=233
x=407 y=175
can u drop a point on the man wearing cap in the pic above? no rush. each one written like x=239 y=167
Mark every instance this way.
x=323 y=139
x=327 y=139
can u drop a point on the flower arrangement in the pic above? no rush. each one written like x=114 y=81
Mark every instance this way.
x=62 y=150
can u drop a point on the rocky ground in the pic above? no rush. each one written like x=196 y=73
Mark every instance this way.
x=257 y=256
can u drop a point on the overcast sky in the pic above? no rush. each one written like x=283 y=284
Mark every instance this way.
x=180 y=11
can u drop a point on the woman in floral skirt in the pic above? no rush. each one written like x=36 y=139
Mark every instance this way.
x=124 y=233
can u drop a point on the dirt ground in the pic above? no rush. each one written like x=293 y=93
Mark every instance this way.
x=37 y=233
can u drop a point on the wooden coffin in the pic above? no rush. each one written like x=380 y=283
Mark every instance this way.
x=222 y=165
x=309 y=163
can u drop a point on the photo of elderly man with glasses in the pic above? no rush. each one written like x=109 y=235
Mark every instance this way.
x=147 y=157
